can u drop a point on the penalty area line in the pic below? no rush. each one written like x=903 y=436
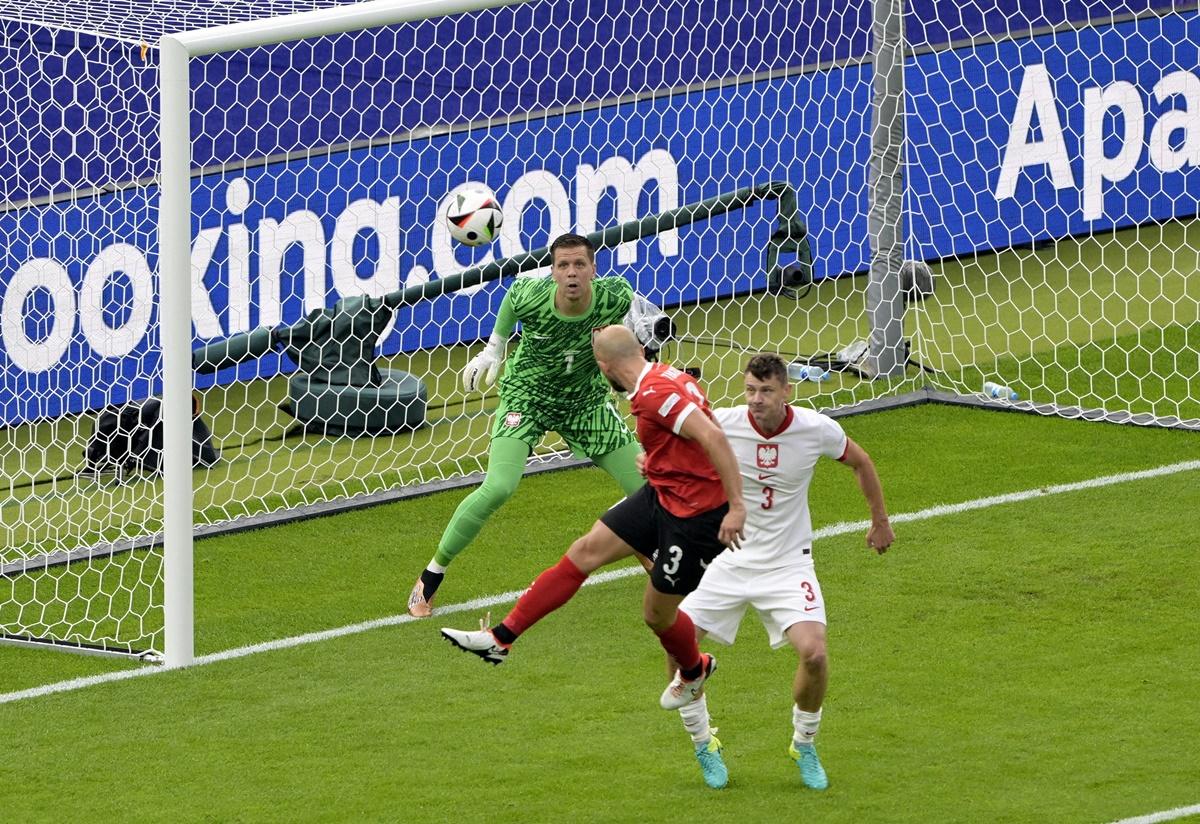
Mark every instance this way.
x=842 y=528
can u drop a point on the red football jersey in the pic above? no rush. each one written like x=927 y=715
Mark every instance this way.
x=677 y=468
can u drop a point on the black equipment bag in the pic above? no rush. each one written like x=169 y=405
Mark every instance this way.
x=128 y=436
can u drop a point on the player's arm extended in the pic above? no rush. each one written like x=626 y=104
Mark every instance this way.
x=880 y=535
x=699 y=428
x=482 y=369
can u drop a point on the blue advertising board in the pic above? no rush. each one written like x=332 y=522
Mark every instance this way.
x=1082 y=131
x=86 y=101
x=1074 y=131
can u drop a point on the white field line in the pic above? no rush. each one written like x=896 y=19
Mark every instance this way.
x=1165 y=815
x=599 y=578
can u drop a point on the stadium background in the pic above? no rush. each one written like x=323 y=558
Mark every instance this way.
x=377 y=210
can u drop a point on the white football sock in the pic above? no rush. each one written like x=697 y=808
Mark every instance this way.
x=805 y=725
x=696 y=721
x=437 y=568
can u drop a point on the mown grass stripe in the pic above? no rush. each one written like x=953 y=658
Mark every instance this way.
x=487 y=602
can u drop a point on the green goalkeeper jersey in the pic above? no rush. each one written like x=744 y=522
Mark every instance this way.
x=553 y=368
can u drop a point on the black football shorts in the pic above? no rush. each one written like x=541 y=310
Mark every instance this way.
x=681 y=547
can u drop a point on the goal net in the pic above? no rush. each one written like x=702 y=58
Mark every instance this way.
x=1036 y=170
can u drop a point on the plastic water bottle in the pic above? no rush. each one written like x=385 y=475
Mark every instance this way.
x=999 y=390
x=807 y=372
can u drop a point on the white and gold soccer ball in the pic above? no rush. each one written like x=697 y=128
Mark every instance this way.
x=474 y=216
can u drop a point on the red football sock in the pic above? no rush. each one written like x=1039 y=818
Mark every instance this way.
x=679 y=640
x=548 y=592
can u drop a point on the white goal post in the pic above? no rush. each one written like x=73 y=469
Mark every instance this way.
x=175 y=244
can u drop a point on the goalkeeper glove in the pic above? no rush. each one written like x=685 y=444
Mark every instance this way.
x=482 y=369
x=652 y=327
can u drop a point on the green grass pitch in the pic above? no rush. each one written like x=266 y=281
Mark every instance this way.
x=1032 y=661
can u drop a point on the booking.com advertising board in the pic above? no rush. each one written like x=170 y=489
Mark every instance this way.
x=998 y=155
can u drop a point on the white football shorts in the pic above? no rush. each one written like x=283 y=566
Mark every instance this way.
x=781 y=596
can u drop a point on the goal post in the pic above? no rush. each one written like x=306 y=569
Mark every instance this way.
x=885 y=220
x=175 y=322
x=175 y=244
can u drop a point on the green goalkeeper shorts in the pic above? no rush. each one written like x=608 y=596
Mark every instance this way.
x=590 y=432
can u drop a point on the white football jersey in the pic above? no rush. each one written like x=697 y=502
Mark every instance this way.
x=777 y=468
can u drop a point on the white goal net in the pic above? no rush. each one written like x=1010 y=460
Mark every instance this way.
x=1048 y=190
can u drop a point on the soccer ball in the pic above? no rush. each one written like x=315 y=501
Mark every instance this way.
x=474 y=216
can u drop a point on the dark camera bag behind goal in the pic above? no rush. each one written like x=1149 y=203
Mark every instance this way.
x=129 y=436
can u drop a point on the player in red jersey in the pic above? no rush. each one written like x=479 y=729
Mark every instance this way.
x=690 y=510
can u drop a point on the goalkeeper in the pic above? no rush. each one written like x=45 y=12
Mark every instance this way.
x=553 y=384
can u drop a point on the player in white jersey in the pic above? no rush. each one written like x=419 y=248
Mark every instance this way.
x=777 y=446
